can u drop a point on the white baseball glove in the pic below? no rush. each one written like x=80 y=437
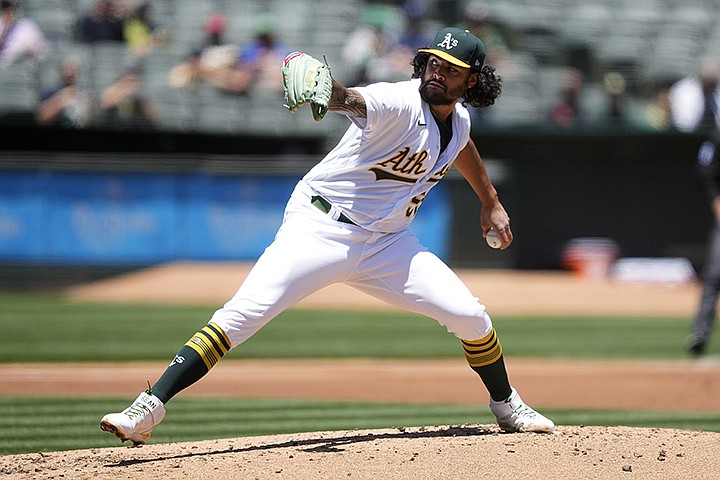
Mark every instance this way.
x=306 y=80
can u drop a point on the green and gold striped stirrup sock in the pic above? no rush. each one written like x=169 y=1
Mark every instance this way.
x=210 y=343
x=485 y=351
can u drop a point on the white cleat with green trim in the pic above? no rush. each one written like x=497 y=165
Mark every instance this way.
x=136 y=422
x=513 y=415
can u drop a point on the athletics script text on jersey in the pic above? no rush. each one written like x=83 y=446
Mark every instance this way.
x=406 y=168
x=402 y=167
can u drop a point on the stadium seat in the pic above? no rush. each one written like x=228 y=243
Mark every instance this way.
x=19 y=89
x=54 y=18
x=109 y=59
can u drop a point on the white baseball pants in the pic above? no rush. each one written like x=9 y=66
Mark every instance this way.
x=311 y=251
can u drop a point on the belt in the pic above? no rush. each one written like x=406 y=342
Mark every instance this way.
x=325 y=206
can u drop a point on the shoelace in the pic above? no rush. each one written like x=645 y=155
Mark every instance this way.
x=524 y=411
x=136 y=410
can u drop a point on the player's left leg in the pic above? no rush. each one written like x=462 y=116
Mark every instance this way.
x=403 y=273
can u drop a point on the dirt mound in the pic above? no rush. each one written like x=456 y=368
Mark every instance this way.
x=447 y=452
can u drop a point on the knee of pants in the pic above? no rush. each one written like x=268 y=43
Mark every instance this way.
x=238 y=326
x=469 y=327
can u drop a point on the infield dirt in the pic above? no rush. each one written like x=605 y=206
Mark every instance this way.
x=442 y=452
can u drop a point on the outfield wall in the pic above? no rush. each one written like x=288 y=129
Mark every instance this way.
x=112 y=214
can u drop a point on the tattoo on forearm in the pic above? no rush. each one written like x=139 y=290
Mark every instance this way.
x=348 y=102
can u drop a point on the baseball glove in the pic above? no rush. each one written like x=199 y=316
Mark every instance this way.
x=306 y=80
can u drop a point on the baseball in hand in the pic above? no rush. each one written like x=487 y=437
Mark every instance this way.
x=493 y=239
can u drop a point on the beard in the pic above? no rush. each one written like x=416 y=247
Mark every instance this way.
x=434 y=96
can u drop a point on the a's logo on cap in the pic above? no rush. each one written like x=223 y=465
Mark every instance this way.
x=448 y=42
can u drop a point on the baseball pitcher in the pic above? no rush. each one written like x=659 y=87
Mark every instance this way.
x=348 y=221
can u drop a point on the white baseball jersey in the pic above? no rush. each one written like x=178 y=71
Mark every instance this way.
x=380 y=184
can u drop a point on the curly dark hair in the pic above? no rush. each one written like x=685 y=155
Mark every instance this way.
x=482 y=94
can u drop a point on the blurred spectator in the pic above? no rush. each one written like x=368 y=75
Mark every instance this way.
x=252 y=68
x=257 y=64
x=417 y=33
x=694 y=99
x=104 y=23
x=213 y=54
x=65 y=103
x=614 y=84
x=480 y=21
x=394 y=63
x=20 y=38
x=124 y=103
x=656 y=115
x=486 y=28
x=215 y=26
x=567 y=111
x=141 y=33
x=611 y=107
x=368 y=43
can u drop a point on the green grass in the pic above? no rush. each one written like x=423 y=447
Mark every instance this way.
x=53 y=424
x=45 y=328
x=50 y=329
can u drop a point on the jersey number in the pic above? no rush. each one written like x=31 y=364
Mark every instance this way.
x=415 y=205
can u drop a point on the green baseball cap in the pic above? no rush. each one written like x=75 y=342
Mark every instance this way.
x=459 y=47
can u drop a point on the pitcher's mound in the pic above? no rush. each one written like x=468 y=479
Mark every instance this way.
x=445 y=452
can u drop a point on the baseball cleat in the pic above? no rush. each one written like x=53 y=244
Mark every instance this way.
x=513 y=415
x=696 y=344
x=136 y=422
